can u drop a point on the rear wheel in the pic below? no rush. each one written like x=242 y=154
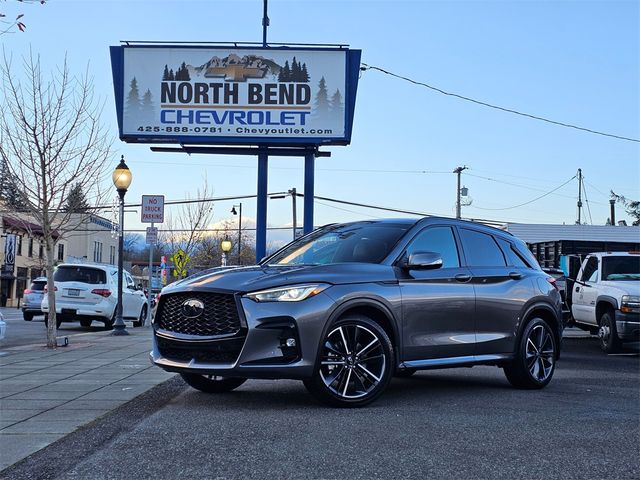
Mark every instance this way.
x=608 y=334
x=212 y=383
x=27 y=316
x=355 y=365
x=535 y=359
x=108 y=324
x=58 y=320
x=142 y=318
x=85 y=322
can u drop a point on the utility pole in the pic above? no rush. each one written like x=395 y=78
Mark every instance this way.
x=579 y=222
x=293 y=194
x=459 y=170
x=265 y=24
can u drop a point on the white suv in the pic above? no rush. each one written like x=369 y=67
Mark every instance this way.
x=88 y=292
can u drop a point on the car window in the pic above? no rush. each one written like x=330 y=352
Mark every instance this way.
x=68 y=273
x=513 y=257
x=439 y=240
x=364 y=243
x=481 y=249
x=129 y=280
x=621 y=268
x=38 y=286
x=590 y=272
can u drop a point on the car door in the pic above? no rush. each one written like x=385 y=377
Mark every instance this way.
x=584 y=293
x=129 y=297
x=438 y=306
x=502 y=289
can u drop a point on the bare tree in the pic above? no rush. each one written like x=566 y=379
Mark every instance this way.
x=186 y=228
x=51 y=139
x=7 y=26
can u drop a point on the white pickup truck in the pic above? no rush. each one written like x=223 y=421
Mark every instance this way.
x=605 y=298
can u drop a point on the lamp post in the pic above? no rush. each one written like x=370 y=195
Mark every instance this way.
x=239 y=213
x=294 y=194
x=225 y=245
x=121 y=179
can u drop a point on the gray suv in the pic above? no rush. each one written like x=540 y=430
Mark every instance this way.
x=32 y=299
x=348 y=306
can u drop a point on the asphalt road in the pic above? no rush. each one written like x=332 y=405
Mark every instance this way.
x=457 y=423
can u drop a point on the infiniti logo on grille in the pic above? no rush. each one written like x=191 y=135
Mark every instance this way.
x=192 y=308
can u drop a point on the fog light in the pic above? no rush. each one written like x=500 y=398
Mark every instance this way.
x=291 y=342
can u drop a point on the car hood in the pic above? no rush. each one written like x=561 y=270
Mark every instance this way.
x=249 y=279
x=630 y=287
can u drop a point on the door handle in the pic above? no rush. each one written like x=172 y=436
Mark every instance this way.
x=515 y=275
x=462 y=277
x=577 y=289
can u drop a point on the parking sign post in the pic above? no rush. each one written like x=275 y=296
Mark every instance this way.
x=152 y=212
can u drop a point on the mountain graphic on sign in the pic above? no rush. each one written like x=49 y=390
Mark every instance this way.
x=234 y=68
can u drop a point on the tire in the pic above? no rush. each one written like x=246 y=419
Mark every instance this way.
x=342 y=377
x=405 y=372
x=535 y=359
x=608 y=334
x=27 y=316
x=108 y=324
x=142 y=318
x=212 y=383
x=58 y=320
x=85 y=322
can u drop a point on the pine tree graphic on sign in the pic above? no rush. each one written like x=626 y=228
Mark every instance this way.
x=321 y=109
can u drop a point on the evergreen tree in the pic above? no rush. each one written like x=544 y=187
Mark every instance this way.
x=322 y=99
x=76 y=200
x=148 y=109
x=182 y=73
x=285 y=73
x=304 y=75
x=337 y=108
x=172 y=77
x=133 y=99
x=165 y=74
x=295 y=70
x=9 y=191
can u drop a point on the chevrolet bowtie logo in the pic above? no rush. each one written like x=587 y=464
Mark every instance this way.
x=236 y=73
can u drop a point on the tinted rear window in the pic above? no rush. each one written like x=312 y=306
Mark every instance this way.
x=38 y=286
x=481 y=249
x=89 y=275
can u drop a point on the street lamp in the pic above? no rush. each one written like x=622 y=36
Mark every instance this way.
x=121 y=179
x=294 y=194
x=225 y=245
x=239 y=213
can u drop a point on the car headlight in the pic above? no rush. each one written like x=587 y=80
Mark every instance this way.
x=294 y=293
x=630 y=304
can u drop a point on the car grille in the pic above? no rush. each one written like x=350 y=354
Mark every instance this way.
x=220 y=316
x=222 y=351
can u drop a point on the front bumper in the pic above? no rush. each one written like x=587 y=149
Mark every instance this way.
x=259 y=349
x=628 y=325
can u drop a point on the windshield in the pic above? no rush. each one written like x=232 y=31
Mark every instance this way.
x=363 y=242
x=621 y=268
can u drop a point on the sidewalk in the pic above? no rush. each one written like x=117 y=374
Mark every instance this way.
x=47 y=394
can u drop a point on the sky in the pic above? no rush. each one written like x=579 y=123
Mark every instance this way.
x=575 y=62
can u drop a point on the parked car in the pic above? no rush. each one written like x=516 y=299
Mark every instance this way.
x=561 y=283
x=3 y=327
x=32 y=299
x=87 y=292
x=348 y=306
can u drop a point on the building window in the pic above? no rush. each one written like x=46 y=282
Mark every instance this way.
x=112 y=255
x=61 y=252
x=30 y=247
x=97 y=252
x=18 y=245
x=41 y=251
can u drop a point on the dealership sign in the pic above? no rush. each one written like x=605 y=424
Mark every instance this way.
x=241 y=95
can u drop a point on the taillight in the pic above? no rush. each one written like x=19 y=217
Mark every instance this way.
x=28 y=290
x=553 y=282
x=55 y=289
x=103 y=292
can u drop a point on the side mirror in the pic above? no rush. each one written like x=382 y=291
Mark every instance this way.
x=423 y=261
x=139 y=286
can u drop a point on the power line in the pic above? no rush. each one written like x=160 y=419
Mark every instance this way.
x=530 y=201
x=508 y=110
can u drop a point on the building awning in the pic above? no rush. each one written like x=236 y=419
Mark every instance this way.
x=23 y=225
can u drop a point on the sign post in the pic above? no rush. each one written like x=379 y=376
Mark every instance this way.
x=152 y=211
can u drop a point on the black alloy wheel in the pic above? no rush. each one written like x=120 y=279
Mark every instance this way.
x=608 y=334
x=142 y=318
x=535 y=358
x=212 y=383
x=355 y=366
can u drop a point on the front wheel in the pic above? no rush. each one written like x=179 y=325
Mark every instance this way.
x=212 y=383
x=355 y=364
x=535 y=359
x=608 y=334
x=27 y=316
